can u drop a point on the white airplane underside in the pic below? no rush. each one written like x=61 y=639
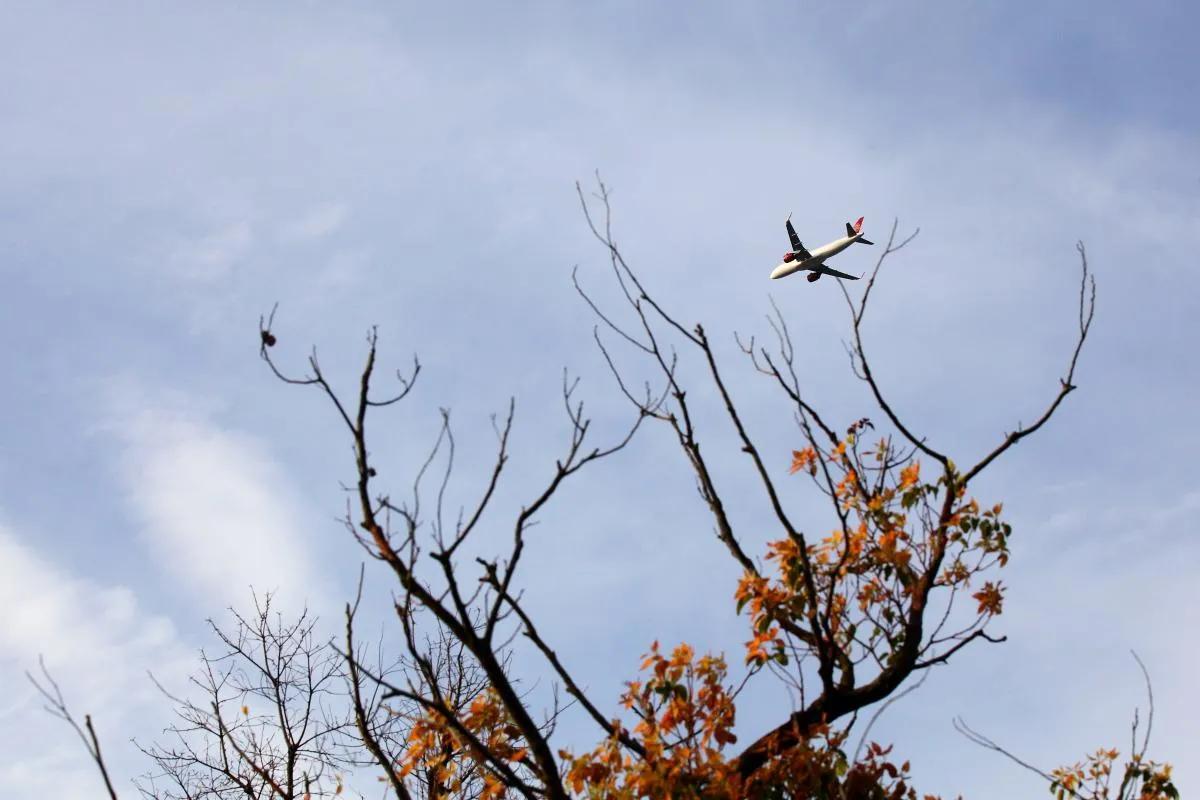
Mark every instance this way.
x=800 y=259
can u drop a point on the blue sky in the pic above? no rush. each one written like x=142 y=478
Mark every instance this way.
x=171 y=173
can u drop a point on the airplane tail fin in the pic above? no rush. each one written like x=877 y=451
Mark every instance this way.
x=856 y=229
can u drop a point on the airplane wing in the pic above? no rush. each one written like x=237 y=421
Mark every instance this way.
x=797 y=245
x=827 y=271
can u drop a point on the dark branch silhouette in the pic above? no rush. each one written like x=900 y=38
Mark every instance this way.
x=268 y=719
x=474 y=619
x=818 y=627
x=57 y=706
x=842 y=620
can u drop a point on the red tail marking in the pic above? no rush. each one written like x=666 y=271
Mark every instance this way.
x=858 y=225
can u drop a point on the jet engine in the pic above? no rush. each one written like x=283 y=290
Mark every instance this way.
x=814 y=276
x=788 y=256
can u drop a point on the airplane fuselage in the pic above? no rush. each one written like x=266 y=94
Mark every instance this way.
x=819 y=255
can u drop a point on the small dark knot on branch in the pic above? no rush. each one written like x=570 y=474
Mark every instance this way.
x=860 y=425
x=268 y=339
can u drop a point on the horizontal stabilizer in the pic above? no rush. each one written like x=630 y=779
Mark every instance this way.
x=855 y=229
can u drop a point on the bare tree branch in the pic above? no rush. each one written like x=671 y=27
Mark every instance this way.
x=57 y=706
x=1087 y=309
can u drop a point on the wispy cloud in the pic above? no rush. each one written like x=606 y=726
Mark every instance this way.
x=320 y=221
x=98 y=642
x=212 y=256
x=995 y=131
x=215 y=509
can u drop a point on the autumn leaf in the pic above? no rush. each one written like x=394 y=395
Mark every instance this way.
x=803 y=459
x=990 y=597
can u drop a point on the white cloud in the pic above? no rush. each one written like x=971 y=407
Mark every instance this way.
x=342 y=270
x=98 y=642
x=215 y=509
x=320 y=221
x=213 y=256
x=1002 y=185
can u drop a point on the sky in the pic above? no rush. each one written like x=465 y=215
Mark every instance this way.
x=172 y=172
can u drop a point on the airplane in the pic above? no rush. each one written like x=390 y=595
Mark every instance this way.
x=799 y=258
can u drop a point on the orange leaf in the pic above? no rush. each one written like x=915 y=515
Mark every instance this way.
x=802 y=459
